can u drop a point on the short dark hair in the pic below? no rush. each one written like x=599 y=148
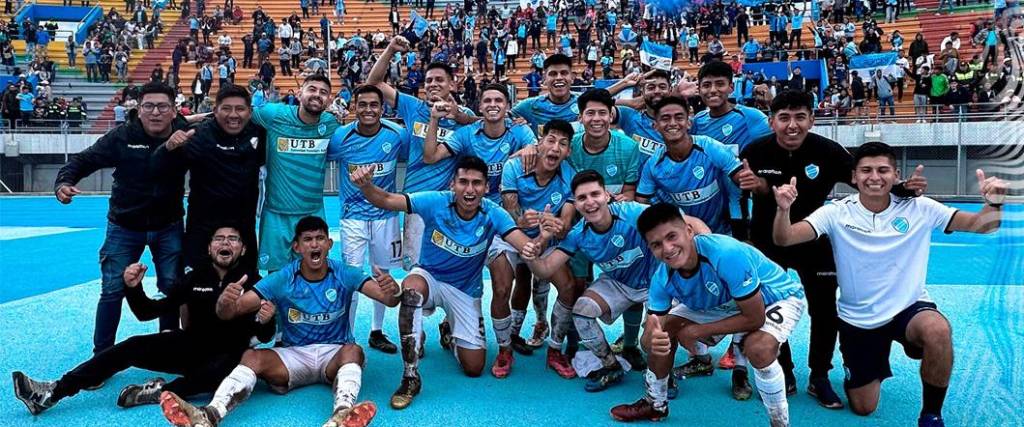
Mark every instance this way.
x=234 y=91
x=310 y=223
x=557 y=59
x=472 y=163
x=225 y=224
x=792 y=99
x=317 y=78
x=157 y=88
x=671 y=100
x=715 y=69
x=361 y=89
x=874 y=149
x=660 y=74
x=436 y=65
x=586 y=176
x=595 y=95
x=495 y=86
x=558 y=125
x=655 y=215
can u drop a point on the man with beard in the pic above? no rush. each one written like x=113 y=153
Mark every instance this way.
x=558 y=103
x=317 y=344
x=223 y=157
x=297 y=145
x=367 y=229
x=460 y=225
x=494 y=141
x=202 y=353
x=639 y=125
x=439 y=82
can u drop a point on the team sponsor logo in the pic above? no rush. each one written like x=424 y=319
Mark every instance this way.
x=622 y=260
x=574 y=107
x=556 y=198
x=856 y=228
x=296 y=316
x=812 y=170
x=451 y=246
x=331 y=295
x=712 y=287
x=618 y=241
x=727 y=129
x=612 y=170
x=138 y=146
x=901 y=225
x=386 y=147
x=695 y=197
x=419 y=129
x=494 y=169
x=379 y=169
x=647 y=145
x=698 y=172
x=769 y=172
x=322 y=129
x=254 y=141
x=302 y=145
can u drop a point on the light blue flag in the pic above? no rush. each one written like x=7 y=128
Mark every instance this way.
x=656 y=55
x=419 y=25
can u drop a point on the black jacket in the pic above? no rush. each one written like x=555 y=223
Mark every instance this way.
x=223 y=171
x=141 y=199
x=198 y=290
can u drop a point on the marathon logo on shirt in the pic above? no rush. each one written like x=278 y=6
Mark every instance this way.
x=451 y=246
x=623 y=260
x=647 y=146
x=695 y=197
x=419 y=129
x=380 y=169
x=296 y=316
x=302 y=145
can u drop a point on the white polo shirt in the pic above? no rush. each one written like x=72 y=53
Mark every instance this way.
x=881 y=259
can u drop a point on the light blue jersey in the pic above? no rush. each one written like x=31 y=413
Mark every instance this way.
x=640 y=126
x=454 y=250
x=539 y=110
x=472 y=141
x=419 y=176
x=738 y=128
x=729 y=271
x=556 y=193
x=352 y=150
x=618 y=163
x=620 y=252
x=313 y=312
x=698 y=185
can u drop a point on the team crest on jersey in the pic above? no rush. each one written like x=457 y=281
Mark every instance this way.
x=618 y=241
x=322 y=129
x=556 y=198
x=479 y=231
x=727 y=129
x=812 y=170
x=901 y=225
x=504 y=147
x=612 y=170
x=331 y=295
x=698 y=172
x=254 y=141
x=712 y=287
x=575 y=108
x=386 y=147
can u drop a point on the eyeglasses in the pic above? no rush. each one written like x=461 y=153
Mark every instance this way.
x=229 y=239
x=161 y=108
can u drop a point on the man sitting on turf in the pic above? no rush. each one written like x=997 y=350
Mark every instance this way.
x=203 y=352
x=710 y=286
x=315 y=293
x=880 y=243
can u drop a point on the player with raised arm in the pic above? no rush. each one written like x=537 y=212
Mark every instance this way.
x=558 y=103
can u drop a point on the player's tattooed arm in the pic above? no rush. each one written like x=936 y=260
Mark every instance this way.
x=510 y=201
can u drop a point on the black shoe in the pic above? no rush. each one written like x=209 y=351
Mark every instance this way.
x=36 y=395
x=822 y=391
x=604 y=378
x=790 y=383
x=520 y=346
x=380 y=342
x=146 y=394
x=635 y=357
x=445 y=330
x=698 y=366
x=408 y=390
x=673 y=388
x=741 y=389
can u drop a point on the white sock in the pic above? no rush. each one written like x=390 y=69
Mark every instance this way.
x=518 y=317
x=235 y=388
x=561 y=323
x=657 y=390
x=378 y=316
x=502 y=330
x=346 y=385
x=771 y=385
x=541 y=289
x=702 y=349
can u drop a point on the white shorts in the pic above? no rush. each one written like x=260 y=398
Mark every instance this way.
x=618 y=296
x=498 y=247
x=412 y=238
x=463 y=311
x=306 y=364
x=380 y=236
x=780 y=318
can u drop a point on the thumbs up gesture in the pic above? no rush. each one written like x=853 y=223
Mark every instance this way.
x=660 y=343
x=993 y=189
x=917 y=182
x=233 y=291
x=748 y=180
x=785 y=194
x=179 y=138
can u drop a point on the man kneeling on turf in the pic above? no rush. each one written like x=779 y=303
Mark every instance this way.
x=314 y=293
x=203 y=352
x=709 y=286
x=880 y=243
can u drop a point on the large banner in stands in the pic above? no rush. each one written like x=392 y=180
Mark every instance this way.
x=811 y=70
x=83 y=16
x=866 y=64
